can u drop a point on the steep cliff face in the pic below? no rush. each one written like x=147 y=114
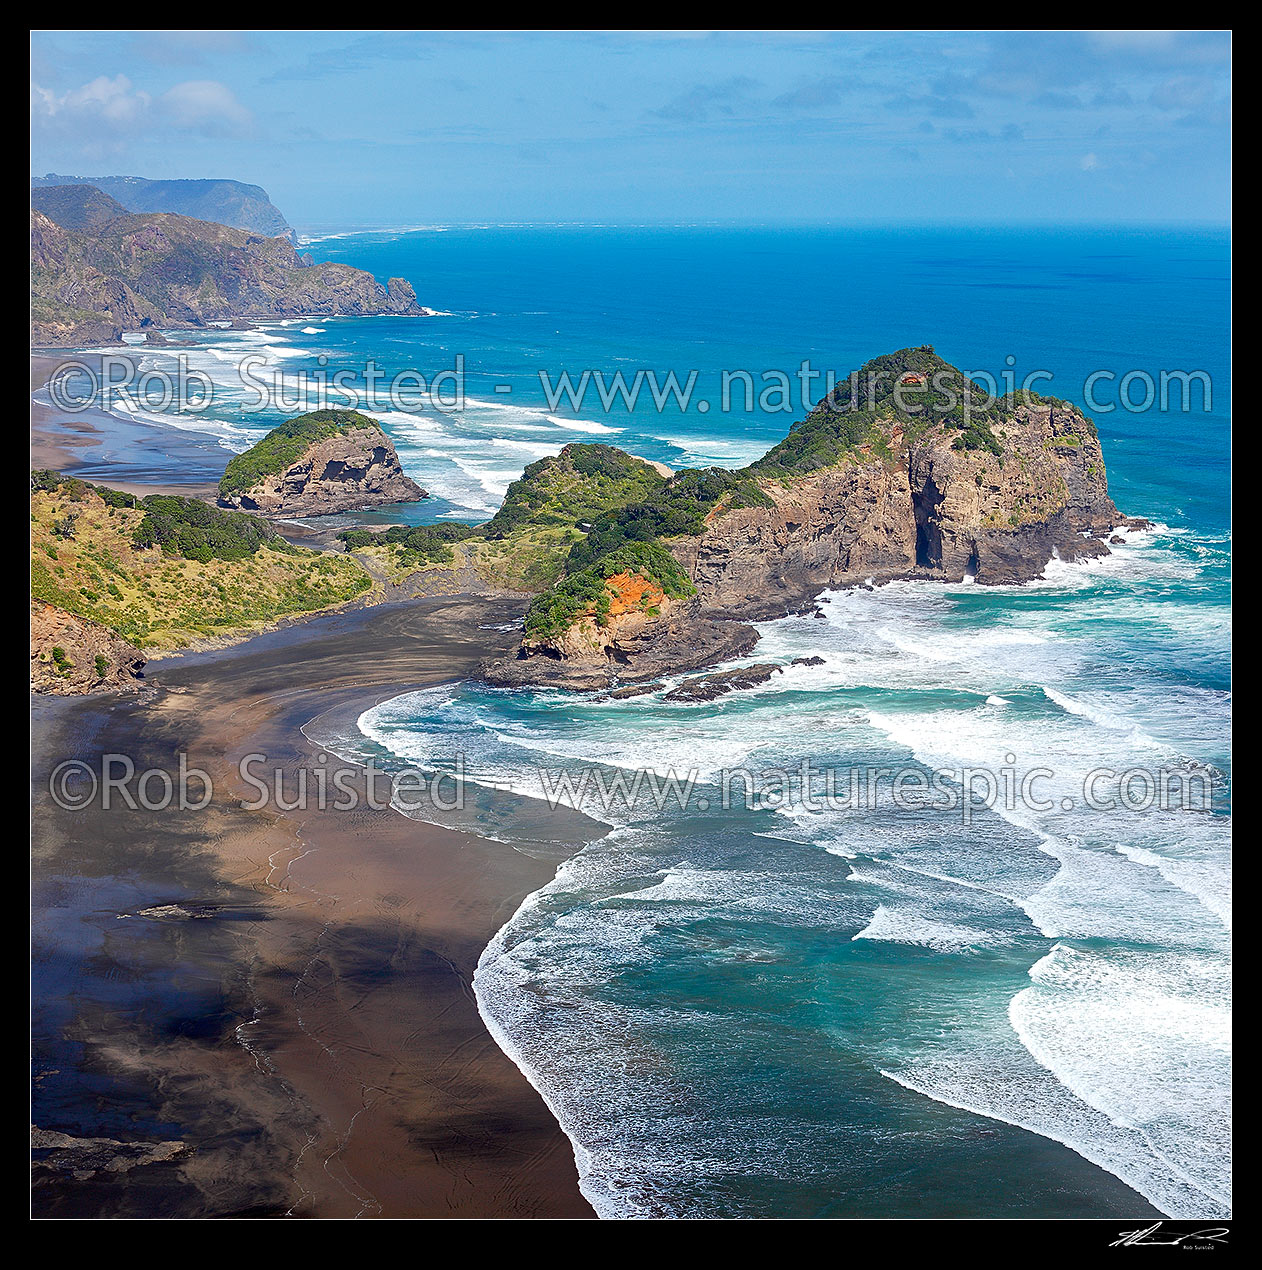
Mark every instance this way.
x=71 y=655
x=357 y=467
x=923 y=508
x=137 y=271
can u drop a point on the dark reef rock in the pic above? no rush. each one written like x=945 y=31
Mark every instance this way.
x=719 y=684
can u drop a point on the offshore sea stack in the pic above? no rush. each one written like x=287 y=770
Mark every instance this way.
x=318 y=465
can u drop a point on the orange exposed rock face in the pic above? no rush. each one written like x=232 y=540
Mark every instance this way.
x=628 y=592
x=637 y=607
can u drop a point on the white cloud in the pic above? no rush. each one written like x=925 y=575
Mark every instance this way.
x=114 y=101
x=1091 y=162
x=205 y=105
x=101 y=114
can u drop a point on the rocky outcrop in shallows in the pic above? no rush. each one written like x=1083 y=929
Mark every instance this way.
x=719 y=684
x=356 y=469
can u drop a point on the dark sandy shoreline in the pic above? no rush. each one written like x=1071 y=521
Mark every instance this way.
x=128 y=455
x=283 y=998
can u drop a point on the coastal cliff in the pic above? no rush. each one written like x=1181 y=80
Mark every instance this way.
x=908 y=469
x=317 y=465
x=913 y=507
x=137 y=272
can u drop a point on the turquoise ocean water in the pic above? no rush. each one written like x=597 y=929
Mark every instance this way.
x=881 y=1010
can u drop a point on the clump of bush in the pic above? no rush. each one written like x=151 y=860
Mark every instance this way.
x=417 y=544
x=190 y=528
x=680 y=506
x=180 y=526
x=585 y=593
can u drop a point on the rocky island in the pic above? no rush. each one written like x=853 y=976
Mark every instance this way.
x=908 y=469
x=318 y=464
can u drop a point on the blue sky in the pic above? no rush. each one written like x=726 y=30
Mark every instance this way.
x=394 y=128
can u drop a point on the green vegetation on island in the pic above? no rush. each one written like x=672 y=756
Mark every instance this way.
x=286 y=443
x=574 y=487
x=586 y=591
x=677 y=507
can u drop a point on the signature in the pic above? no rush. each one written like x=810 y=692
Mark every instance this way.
x=1154 y=1236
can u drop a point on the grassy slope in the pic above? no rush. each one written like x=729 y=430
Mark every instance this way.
x=162 y=601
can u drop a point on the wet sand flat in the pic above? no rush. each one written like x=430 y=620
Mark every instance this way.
x=272 y=1009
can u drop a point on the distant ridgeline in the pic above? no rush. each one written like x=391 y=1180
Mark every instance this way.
x=225 y=202
x=99 y=269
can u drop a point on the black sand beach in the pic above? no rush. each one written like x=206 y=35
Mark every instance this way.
x=262 y=1013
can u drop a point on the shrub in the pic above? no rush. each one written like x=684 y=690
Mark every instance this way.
x=190 y=528
x=419 y=544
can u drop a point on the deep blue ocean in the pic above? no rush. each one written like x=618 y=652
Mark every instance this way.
x=884 y=1010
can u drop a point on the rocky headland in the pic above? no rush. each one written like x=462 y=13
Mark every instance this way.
x=95 y=275
x=908 y=469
